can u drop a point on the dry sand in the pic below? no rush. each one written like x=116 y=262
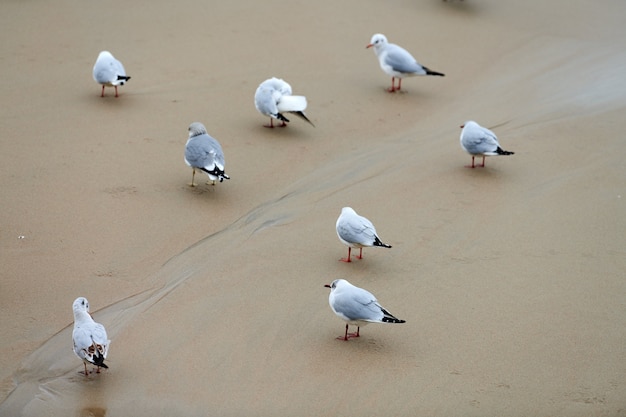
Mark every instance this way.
x=510 y=278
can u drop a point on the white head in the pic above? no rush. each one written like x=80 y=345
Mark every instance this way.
x=196 y=129
x=348 y=210
x=378 y=40
x=469 y=123
x=80 y=305
x=338 y=283
x=105 y=55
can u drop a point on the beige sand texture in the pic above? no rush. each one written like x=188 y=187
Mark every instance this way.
x=510 y=277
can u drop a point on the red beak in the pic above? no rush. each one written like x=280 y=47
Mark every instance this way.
x=369 y=46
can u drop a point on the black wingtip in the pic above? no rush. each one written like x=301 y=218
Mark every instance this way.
x=99 y=361
x=221 y=175
x=282 y=118
x=430 y=72
x=377 y=242
x=389 y=318
x=501 y=151
x=302 y=115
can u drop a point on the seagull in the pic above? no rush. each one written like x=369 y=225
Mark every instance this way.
x=204 y=153
x=109 y=72
x=480 y=141
x=356 y=231
x=356 y=306
x=273 y=97
x=397 y=61
x=90 y=338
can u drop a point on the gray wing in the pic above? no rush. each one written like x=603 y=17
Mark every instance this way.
x=204 y=152
x=107 y=71
x=401 y=60
x=357 y=229
x=480 y=141
x=84 y=336
x=358 y=304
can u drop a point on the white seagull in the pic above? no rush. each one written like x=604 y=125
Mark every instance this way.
x=204 y=153
x=356 y=231
x=109 y=72
x=90 y=338
x=480 y=141
x=273 y=97
x=356 y=306
x=397 y=61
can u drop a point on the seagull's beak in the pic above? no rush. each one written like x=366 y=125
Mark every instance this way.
x=369 y=46
x=327 y=286
x=462 y=126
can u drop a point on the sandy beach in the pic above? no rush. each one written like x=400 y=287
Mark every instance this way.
x=511 y=278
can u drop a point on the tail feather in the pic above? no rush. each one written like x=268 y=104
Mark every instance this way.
x=429 y=72
x=501 y=151
x=377 y=242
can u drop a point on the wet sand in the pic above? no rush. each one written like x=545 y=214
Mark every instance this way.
x=510 y=277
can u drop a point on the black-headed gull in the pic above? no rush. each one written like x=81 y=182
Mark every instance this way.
x=480 y=141
x=356 y=306
x=204 y=153
x=109 y=72
x=274 y=97
x=397 y=61
x=90 y=338
x=356 y=231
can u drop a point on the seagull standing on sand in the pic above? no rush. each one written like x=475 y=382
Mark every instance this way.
x=204 y=153
x=90 y=338
x=480 y=141
x=356 y=306
x=109 y=72
x=397 y=61
x=273 y=97
x=356 y=231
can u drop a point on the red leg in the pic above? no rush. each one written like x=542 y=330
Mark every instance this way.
x=98 y=370
x=102 y=94
x=345 y=337
x=115 y=91
x=360 y=253
x=399 y=84
x=354 y=334
x=393 y=86
x=271 y=125
x=483 y=165
x=86 y=372
x=470 y=166
x=348 y=258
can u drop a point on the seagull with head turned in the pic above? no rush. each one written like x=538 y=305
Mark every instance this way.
x=397 y=61
x=480 y=141
x=89 y=338
x=356 y=231
x=357 y=307
x=109 y=72
x=204 y=153
x=274 y=97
